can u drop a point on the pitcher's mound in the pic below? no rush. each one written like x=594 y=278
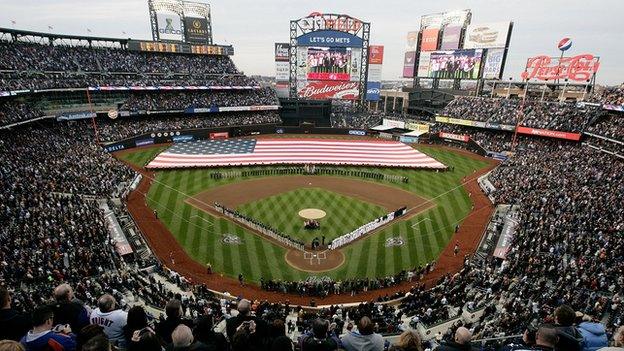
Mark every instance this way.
x=312 y=213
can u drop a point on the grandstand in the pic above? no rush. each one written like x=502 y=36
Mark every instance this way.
x=99 y=250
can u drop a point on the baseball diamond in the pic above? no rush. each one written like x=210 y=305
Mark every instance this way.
x=183 y=200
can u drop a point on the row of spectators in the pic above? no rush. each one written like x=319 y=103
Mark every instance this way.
x=199 y=99
x=12 y=111
x=12 y=81
x=20 y=56
x=123 y=127
x=608 y=95
x=535 y=114
x=610 y=125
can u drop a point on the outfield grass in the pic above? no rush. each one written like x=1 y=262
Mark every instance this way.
x=344 y=213
x=425 y=234
x=142 y=156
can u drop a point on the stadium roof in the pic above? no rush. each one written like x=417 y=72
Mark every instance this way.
x=16 y=33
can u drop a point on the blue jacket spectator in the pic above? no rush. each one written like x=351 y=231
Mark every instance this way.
x=594 y=336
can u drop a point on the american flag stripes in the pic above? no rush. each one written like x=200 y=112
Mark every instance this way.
x=243 y=152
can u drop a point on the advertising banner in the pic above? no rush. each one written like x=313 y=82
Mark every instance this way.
x=373 y=91
x=375 y=54
x=429 y=41
x=281 y=51
x=393 y=123
x=329 y=38
x=328 y=90
x=408 y=64
x=456 y=137
x=219 y=135
x=549 y=133
x=169 y=26
x=144 y=142
x=196 y=30
x=357 y=132
x=182 y=138
x=70 y=116
x=282 y=71
x=423 y=64
x=419 y=127
x=486 y=35
x=374 y=73
x=408 y=139
x=504 y=240
x=580 y=68
x=464 y=64
x=451 y=18
x=450 y=38
x=282 y=89
x=493 y=64
x=412 y=41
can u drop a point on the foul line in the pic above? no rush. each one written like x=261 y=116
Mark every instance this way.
x=422 y=220
x=203 y=219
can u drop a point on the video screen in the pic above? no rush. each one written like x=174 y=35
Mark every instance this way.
x=329 y=63
x=464 y=64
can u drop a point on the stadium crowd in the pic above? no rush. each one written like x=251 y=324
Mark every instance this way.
x=608 y=95
x=611 y=125
x=126 y=127
x=534 y=114
x=201 y=99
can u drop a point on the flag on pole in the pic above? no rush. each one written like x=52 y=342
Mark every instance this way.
x=50 y=27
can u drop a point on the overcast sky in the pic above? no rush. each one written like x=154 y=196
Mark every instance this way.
x=595 y=26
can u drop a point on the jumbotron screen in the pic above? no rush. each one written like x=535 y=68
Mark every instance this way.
x=329 y=63
x=464 y=64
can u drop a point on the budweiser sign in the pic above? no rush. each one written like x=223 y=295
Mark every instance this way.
x=330 y=90
x=577 y=68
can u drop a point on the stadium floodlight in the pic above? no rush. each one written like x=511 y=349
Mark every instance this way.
x=196 y=8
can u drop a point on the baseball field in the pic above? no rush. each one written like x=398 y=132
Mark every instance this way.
x=437 y=203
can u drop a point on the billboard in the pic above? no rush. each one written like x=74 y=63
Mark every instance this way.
x=580 y=68
x=456 y=137
x=328 y=90
x=463 y=64
x=408 y=64
x=493 y=64
x=549 y=133
x=487 y=35
x=374 y=73
x=450 y=38
x=429 y=41
x=412 y=41
x=375 y=54
x=169 y=27
x=451 y=18
x=281 y=51
x=329 y=38
x=282 y=71
x=196 y=30
x=373 y=91
x=328 y=63
x=423 y=64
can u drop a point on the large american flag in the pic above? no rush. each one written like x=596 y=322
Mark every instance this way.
x=243 y=152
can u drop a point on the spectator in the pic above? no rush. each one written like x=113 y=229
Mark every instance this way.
x=145 y=340
x=110 y=318
x=98 y=343
x=13 y=325
x=408 y=341
x=136 y=320
x=43 y=338
x=182 y=340
x=205 y=334
x=87 y=333
x=68 y=310
x=365 y=339
x=173 y=310
x=319 y=339
x=569 y=337
x=244 y=315
x=462 y=340
x=593 y=334
x=618 y=341
x=11 y=345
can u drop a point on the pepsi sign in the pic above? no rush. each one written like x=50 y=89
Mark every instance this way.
x=564 y=44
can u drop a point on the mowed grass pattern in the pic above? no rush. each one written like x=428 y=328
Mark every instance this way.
x=344 y=214
x=425 y=234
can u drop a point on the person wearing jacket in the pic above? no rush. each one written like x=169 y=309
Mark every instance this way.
x=618 y=341
x=569 y=338
x=13 y=325
x=594 y=336
x=461 y=342
x=42 y=337
x=365 y=339
x=318 y=340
